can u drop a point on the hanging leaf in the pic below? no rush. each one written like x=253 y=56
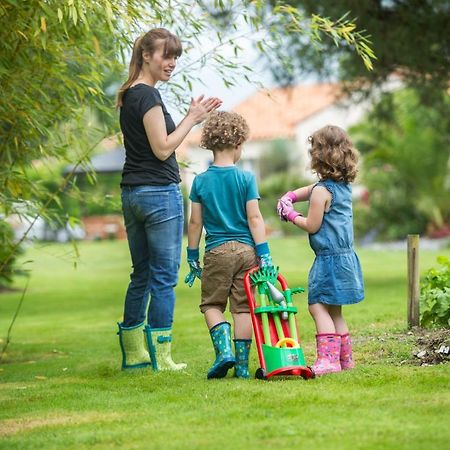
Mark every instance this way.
x=43 y=24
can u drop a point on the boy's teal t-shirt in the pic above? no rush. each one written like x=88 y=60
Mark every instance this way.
x=223 y=193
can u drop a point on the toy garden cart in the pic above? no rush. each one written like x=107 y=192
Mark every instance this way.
x=274 y=325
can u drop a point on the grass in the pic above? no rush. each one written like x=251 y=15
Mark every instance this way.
x=61 y=386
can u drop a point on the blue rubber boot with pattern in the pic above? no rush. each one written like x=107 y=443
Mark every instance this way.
x=225 y=360
x=242 y=350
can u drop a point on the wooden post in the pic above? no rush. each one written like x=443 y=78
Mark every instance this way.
x=413 y=280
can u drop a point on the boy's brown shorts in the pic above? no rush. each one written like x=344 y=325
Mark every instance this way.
x=223 y=273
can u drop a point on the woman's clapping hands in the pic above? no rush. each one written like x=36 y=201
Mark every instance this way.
x=200 y=107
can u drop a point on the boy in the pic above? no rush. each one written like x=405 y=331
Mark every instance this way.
x=225 y=202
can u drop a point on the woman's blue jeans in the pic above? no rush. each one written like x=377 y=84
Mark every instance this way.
x=154 y=222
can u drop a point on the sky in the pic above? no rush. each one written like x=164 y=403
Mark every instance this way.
x=213 y=85
x=231 y=96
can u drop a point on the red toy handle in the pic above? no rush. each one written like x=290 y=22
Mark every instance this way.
x=252 y=304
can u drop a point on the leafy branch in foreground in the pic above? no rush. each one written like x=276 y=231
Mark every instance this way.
x=16 y=314
x=341 y=31
x=345 y=30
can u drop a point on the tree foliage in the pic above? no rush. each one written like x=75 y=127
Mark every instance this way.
x=59 y=61
x=409 y=37
x=406 y=167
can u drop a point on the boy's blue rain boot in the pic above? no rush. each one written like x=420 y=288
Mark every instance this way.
x=242 y=350
x=134 y=353
x=159 y=341
x=221 y=339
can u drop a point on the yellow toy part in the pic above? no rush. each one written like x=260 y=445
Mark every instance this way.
x=287 y=342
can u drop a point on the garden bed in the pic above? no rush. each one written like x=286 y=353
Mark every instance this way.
x=432 y=346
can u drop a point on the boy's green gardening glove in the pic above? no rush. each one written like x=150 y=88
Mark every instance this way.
x=194 y=266
x=263 y=255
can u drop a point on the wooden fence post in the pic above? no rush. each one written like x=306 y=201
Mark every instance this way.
x=413 y=280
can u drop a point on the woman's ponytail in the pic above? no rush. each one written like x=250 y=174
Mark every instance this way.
x=133 y=70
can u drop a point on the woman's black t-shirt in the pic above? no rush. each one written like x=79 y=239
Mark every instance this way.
x=141 y=165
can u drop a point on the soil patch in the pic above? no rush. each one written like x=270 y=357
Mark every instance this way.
x=418 y=347
x=432 y=346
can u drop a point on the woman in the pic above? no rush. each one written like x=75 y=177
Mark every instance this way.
x=152 y=203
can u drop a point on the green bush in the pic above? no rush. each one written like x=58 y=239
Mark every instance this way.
x=435 y=296
x=100 y=197
x=86 y=195
x=391 y=213
x=7 y=262
x=405 y=168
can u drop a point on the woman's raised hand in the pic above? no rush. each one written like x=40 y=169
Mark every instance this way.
x=200 y=107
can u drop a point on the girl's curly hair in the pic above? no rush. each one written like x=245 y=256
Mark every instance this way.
x=333 y=155
x=224 y=129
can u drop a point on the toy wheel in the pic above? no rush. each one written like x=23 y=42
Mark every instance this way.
x=260 y=374
x=308 y=373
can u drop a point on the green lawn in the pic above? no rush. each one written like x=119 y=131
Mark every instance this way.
x=61 y=385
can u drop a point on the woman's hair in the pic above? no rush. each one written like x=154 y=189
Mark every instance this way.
x=149 y=42
x=333 y=155
x=224 y=129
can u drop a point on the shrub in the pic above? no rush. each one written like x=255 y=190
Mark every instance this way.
x=390 y=212
x=435 y=296
x=87 y=194
x=405 y=167
x=7 y=269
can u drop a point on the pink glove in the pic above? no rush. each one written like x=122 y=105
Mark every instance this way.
x=286 y=200
x=288 y=212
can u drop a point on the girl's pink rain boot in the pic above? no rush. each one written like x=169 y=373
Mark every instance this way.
x=346 y=357
x=328 y=353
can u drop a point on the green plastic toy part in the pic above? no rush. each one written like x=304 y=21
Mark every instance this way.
x=264 y=274
x=277 y=358
x=272 y=301
x=288 y=293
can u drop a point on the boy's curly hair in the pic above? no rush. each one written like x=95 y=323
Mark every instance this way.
x=333 y=155
x=224 y=129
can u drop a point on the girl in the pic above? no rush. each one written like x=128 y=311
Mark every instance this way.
x=151 y=199
x=335 y=278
